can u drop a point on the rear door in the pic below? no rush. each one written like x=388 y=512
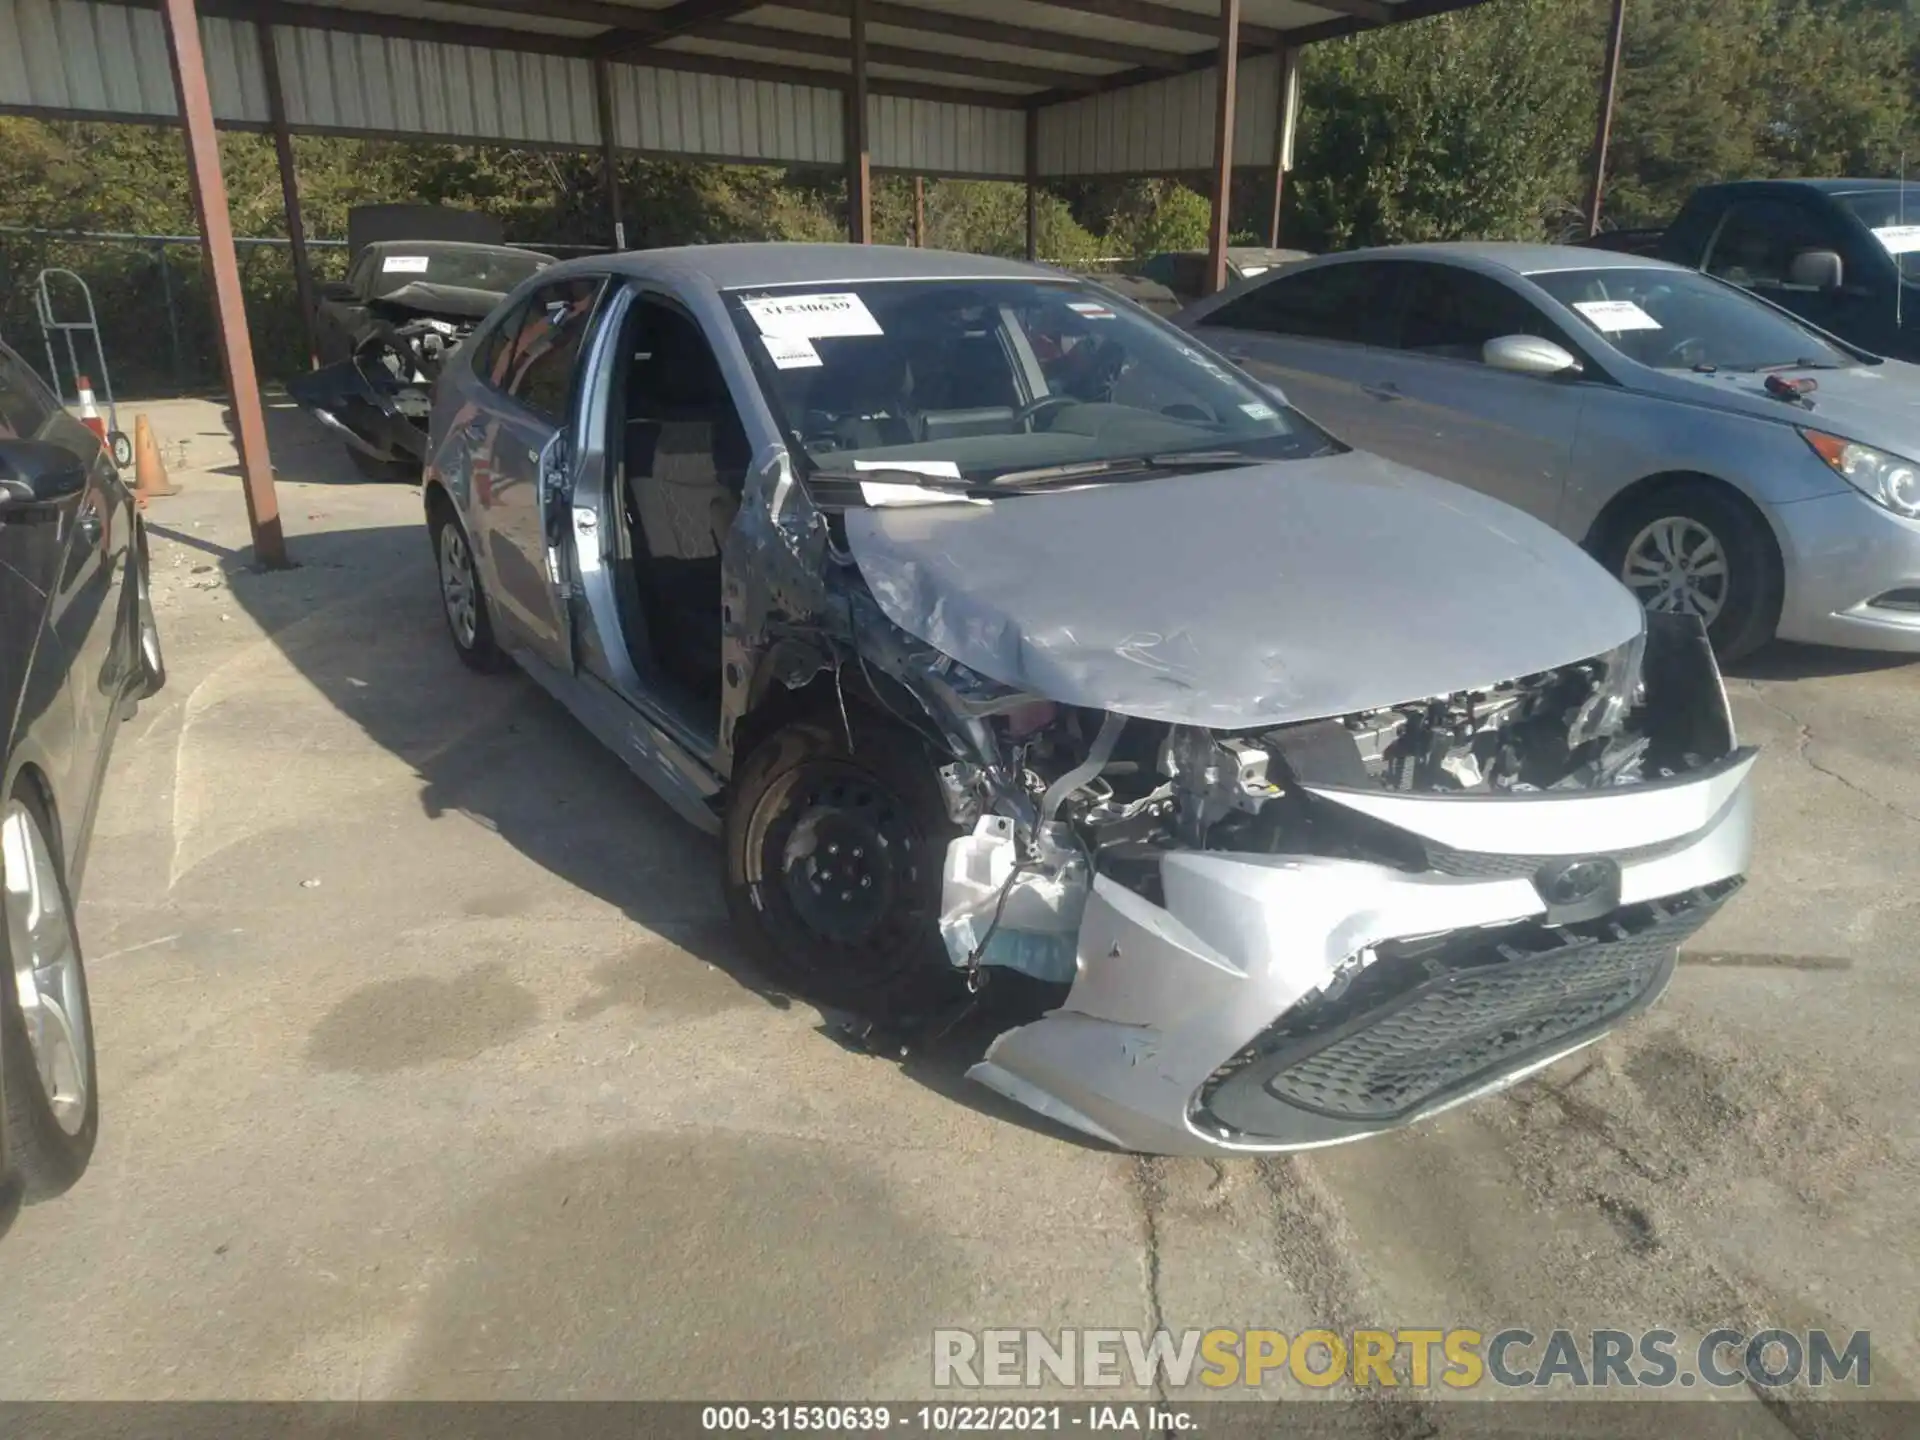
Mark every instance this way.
x=69 y=563
x=529 y=443
x=1312 y=333
x=1439 y=408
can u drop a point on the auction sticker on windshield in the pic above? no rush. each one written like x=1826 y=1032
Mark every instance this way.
x=1899 y=239
x=1616 y=316
x=404 y=265
x=791 y=352
x=812 y=317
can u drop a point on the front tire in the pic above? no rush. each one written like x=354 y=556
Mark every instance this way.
x=833 y=863
x=47 y=1067
x=1695 y=548
x=462 y=599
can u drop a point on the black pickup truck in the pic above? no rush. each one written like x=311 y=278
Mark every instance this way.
x=1844 y=254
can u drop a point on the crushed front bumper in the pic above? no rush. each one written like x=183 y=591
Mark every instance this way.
x=1280 y=1002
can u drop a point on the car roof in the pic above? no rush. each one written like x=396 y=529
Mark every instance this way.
x=737 y=267
x=1519 y=257
x=1829 y=186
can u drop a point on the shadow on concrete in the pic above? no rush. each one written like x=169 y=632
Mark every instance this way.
x=499 y=750
x=1785 y=660
x=304 y=450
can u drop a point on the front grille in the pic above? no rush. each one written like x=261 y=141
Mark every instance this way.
x=1432 y=1019
x=1479 y=865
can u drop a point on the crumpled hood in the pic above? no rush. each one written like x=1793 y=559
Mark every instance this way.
x=1247 y=597
x=1877 y=405
x=440 y=302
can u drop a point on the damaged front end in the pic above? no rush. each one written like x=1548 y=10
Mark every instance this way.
x=379 y=400
x=1306 y=933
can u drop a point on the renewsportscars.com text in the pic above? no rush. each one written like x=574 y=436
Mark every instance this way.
x=1457 y=1359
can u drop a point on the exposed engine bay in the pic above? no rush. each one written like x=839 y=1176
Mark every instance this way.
x=378 y=401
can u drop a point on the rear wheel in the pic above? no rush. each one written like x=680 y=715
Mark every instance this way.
x=1694 y=548
x=52 y=1101
x=462 y=599
x=833 y=861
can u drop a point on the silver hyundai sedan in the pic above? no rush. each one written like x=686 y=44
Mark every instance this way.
x=1719 y=455
x=1002 y=633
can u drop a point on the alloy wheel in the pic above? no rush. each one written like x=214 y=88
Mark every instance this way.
x=49 y=985
x=1678 y=566
x=457 y=589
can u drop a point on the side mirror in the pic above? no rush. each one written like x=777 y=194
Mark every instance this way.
x=36 y=472
x=1817 y=270
x=1529 y=355
x=338 y=290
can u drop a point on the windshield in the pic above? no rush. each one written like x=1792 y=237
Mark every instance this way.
x=1682 y=320
x=996 y=380
x=1893 y=215
x=472 y=267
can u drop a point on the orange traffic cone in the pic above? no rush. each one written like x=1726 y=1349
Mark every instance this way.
x=90 y=415
x=149 y=475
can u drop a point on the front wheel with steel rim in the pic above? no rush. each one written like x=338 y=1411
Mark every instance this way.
x=833 y=866
x=1696 y=548
x=462 y=599
x=47 y=1070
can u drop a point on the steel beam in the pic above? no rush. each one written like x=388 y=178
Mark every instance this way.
x=1033 y=185
x=1228 y=74
x=1603 y=131
x=991 y=32
x=1285 y=119
x=289 y=189
x=859 y=161
x=609 y=151
x=209 y=189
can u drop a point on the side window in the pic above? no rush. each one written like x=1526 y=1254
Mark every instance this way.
x=539 y=372
x=490 y=355
x=361 y=272
x=1757 y=244
x=24 y=407
x=1348 y=303
x=1452 y=313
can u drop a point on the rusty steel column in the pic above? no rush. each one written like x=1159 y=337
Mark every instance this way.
x=229 y=304
x=1228 y=75
x=920 y=212
x=1603 y=133
x=1284 y=122
x=1033 y=184
x=609 y=151
x=289 y=187
x=859 y=162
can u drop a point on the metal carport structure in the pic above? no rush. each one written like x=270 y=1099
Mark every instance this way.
x=1024 y=90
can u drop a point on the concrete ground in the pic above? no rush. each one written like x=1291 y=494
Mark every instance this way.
x=430 y=1070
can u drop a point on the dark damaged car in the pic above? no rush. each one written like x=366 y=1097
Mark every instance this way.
x=383 y=333
x=996 y=627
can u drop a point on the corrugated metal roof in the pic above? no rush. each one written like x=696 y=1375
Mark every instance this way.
x=761 y=84
x=1162 y=126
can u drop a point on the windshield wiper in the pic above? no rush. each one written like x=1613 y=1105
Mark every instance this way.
x=1802 y=364
x=1077 y=470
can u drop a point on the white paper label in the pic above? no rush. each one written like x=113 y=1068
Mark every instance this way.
x=1899 y=239
x=1257 y=411
x=932 y=469
x=404 y=265
x=888 y=492
x=812 y=317
x=1092 y=309
x=1247 y=272
x=791 y=352
x=1616 y=316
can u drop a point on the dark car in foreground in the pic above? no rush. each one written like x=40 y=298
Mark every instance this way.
x=78 y=649
x=997 y=628
x=384 y=332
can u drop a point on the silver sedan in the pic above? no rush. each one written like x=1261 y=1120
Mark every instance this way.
x=1719 y=455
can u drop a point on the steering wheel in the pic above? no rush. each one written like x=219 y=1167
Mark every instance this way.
x=1687 y=353
x=1041 y=405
